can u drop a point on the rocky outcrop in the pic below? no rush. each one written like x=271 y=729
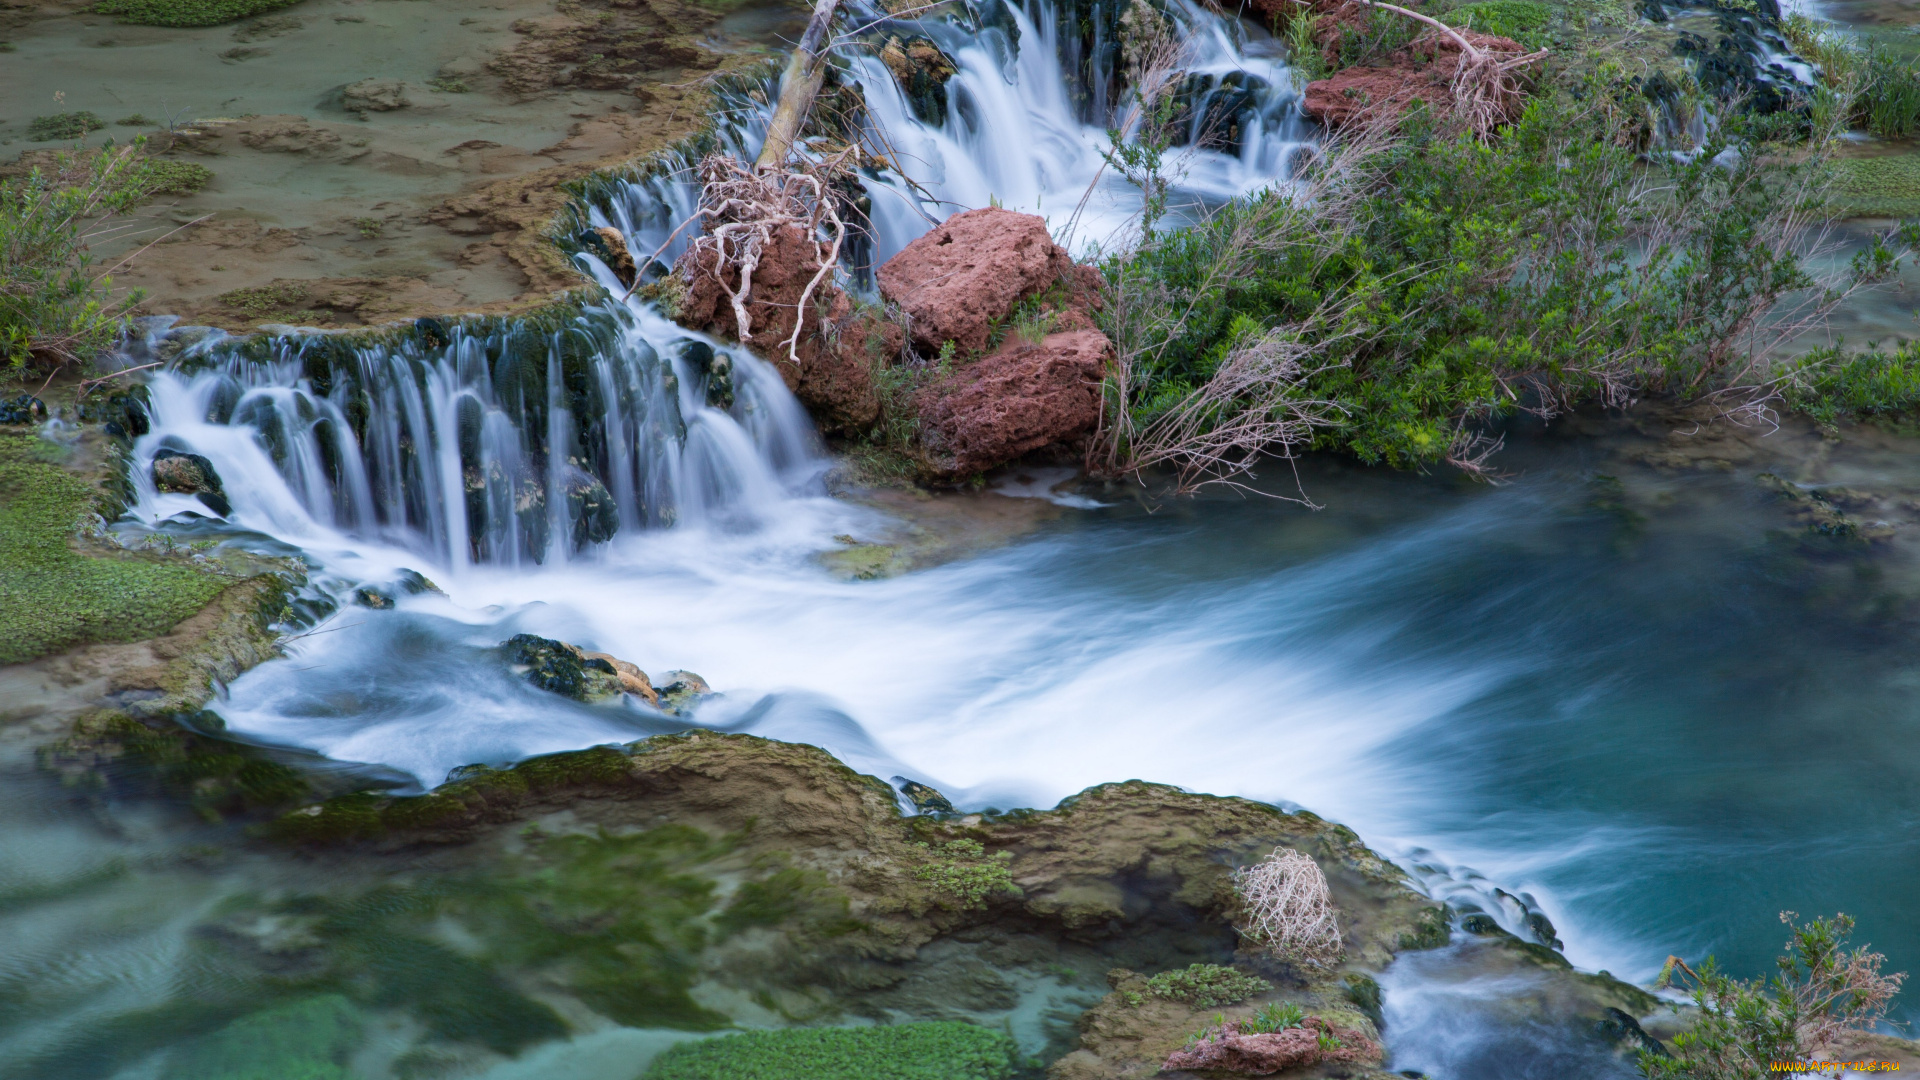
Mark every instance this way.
x=1026 y=396
x=922 y=71
x=374 y=95
x=1421 y=71
x=968 y=273
x=570 y=671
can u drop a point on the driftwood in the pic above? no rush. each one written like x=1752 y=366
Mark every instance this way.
x=806 y=71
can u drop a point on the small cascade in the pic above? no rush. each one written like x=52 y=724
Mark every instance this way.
x=506 y=442
x=525 y=441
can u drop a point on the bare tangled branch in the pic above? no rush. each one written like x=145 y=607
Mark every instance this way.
x=1287 y=908
x=742 y=210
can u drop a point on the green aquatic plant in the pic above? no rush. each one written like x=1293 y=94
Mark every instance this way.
x=1275 y=1016
x=63 y=126
x=1744 y=1029
x=187 y=12
x=1206 y=985
x=1831 y=383
x=941 y=1050
x=306 y=1039
x=166 y=177
x=57 y=591
x=965 y=876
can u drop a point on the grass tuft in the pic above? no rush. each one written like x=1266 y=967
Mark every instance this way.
x=187 y=12
x=928 y=1051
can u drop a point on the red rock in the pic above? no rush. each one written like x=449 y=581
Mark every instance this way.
x=1016 y=401
x=969 y=271
x=1265 y=1054
x=1421 y=71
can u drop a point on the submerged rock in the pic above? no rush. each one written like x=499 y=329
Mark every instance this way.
x=681 y=690
x=562 y=668
x=374 y=95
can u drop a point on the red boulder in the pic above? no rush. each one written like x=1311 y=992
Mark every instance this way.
x=969 y=271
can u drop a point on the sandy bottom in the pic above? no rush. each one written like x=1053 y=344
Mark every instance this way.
x=337 y=215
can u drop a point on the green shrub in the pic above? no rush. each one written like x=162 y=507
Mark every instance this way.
x=62 y=126
x=54 y=309
x=1743 y=1030
x=178 y=177
x=1829 y=384
x=187 y=12
x=925 y=1051
x=966 y=875
x=1275 y=1016
x=52 y=596
x=1204 y=986
x=1525 y=21
x=1427 y=284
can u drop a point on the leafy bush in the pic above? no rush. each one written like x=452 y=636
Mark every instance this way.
x=187 y=12
x=964 y=873
x=1823 y=991
x=61 y=126
x=1828 y=384
x=1424 y=284
x=927 y=1051
x=1880 y=84
x=54 y=310
x=1204 y=986
x=1275 y=1016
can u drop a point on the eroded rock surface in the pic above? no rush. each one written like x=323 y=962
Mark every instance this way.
x=968 y=272
x=1026 y=396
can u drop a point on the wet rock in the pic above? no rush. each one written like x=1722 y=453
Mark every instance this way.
x=968 y=272
x=190 y=474
x=681 y=690
x=562 y=668
x=590 y=506
x=371 y=596
x=612 y=249
x=24 y=409
x=924 y=799
x=922 y=71
x=632 y=679
x=374 y=95
x=1020 y=399
x=1820 y=516
x=865 y=562
x=1421 y=71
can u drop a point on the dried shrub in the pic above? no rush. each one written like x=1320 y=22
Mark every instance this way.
x=1286 y=907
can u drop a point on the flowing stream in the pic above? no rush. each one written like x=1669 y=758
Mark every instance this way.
x=1622 y=694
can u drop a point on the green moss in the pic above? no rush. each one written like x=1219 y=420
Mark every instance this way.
x=1204 y=986
x=187 y=12
x=965 y=876
x=1877 y=186
x=277 y=302
x=53 y=596
x=63 y=126
x=1431 y=930
x=302 y=1040
x=929 y=1051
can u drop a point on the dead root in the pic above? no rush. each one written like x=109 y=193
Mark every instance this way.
x=742 y=210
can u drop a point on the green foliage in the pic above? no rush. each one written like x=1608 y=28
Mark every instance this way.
x=303 y=1040
x=1437 y=282
x=1882 y=186
x=1206 y=985
x=168 y=177
x=1829 y=384
x=1883 y=82
x=136 y=120
x=1525 y=21
x=1275 y=1016
x=925 y=1051
x=449 y=86
x=54 y=309
x=187 y=12
x=1823 y=991
x=53 y=595
x=63 y=126
x=965 y=875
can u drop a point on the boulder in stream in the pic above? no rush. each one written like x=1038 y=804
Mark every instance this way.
x=181 y=473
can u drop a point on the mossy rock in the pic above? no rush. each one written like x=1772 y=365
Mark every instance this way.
x=926 y=1051
x=188 y=12
x=215 y=776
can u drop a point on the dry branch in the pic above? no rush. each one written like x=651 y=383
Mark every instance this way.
x=806 y=72
x=1286 y=907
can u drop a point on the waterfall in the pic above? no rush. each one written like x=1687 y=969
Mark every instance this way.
x=527 y=441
